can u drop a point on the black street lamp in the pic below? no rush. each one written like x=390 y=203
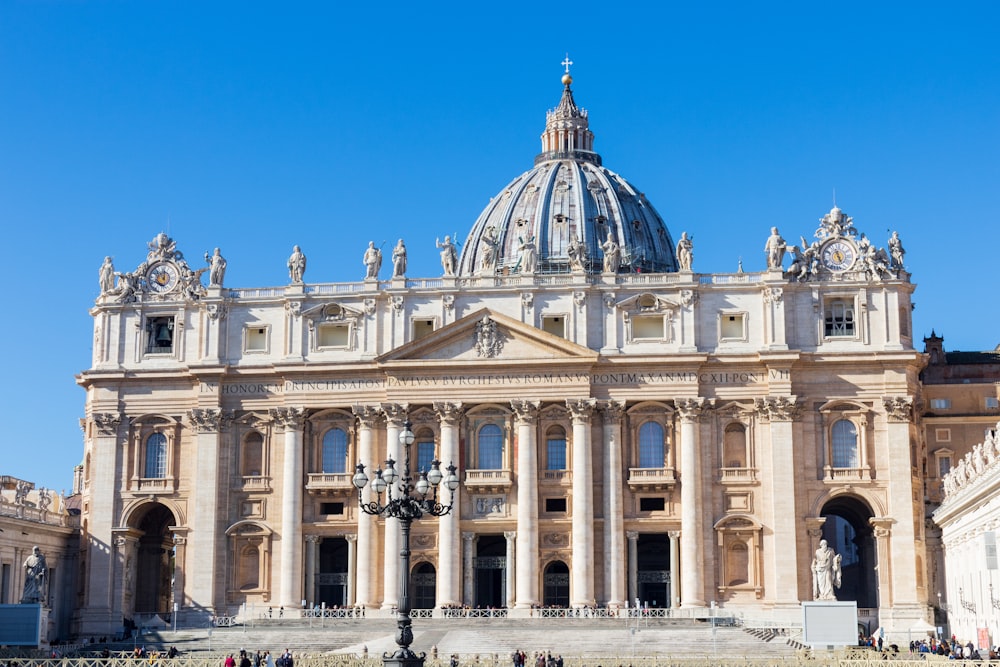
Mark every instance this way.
x=406 y=501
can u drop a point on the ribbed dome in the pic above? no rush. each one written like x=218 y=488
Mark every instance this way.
x=568 y=198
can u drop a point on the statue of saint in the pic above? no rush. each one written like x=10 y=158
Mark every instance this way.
x=399 y=260
x=774 y=249
x=34 y=577
x=449 y=257
x=826 y=572
x=296 y=265
x=488 y=260
x=107 y=276
x=216 y=268
x=372 y=260
x=896 y=252
x=612 y=255
x=685 y=252
x=528 y=262
x=577 y=253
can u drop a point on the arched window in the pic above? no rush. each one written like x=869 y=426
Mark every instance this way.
x=425 y=452
x=734 y=447
x=156 y=456
x=844 y=437
x=253 y=455
x=335 y=451
x=555 y=449
x=651 y=445
x=490 y=448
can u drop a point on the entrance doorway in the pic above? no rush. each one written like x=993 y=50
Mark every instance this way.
x=490 y=567
x=331 y=580
x=653 y=574
x=153 y=569
x=423 y=583
x=849 y=533
x=555 y=591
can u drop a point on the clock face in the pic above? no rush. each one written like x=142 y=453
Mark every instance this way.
x=162 y=277
x=838 y=255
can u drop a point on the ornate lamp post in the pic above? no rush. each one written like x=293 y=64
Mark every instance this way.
x=406 y=501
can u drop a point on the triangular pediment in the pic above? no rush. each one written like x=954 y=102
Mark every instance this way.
x=486 y=336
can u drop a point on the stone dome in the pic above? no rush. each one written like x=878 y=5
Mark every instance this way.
x=566 y=200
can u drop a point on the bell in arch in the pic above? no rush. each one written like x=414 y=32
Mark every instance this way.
x=162 y=334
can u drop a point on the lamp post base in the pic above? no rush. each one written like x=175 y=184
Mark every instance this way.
x=404 y=657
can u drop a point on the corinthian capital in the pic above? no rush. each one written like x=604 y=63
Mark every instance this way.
x=777 y=408
x=395 y=413
x=107 y=423
x=691 y=409
x=368 y=415
x=581 y=409
x=898 y=409
x=289 y=418
x=205 y=420
x=448 y=412
x=613 y=411
x=525 y=411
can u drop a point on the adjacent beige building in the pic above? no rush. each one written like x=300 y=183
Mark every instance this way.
x=625 y=427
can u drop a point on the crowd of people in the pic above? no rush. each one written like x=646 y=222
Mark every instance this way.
x=260 y=659
x=954 y=649
x=520 y=659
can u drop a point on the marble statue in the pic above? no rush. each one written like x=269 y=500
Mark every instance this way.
x=296 y=265
x=528 y=262
x=44 y=499
x=107 y=276
x=34 y=577
x=216 y=268
x=612 y=255
x=372 y=260
x=896 y=252
x=449 y=257
x=826 y=572
x=577 y=253
x=488 y=260
x=775 y=249
x=685 y=252
x=399 y=260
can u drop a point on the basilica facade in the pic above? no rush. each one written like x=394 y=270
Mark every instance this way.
x=626 y=429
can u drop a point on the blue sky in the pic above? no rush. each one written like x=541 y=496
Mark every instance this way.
x=255 y=126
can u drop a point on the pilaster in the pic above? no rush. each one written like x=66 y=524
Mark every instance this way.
x=613 y=504
x=582 y=573
x=526 y=554
x=367 y=416
x=292 y=420
x=449 y=554
x=692 y=539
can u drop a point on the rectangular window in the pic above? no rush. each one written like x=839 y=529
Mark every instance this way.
x=940 y=404
x=990 y=544
x=425 y=454
x=839 y=318
x=333 y=335
x=651 y=504
x=422 y=328
x=555 y=325
x=732 y=326
x=942 y=434
x=992 y=403
x=944 y=465
x=256 y=339
x=555 y=504
x=556 y=454
x=160 y=335
x=5 y=584
x=331 y=508
x=647 y=328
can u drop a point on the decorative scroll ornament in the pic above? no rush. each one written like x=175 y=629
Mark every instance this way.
x=107 y=423
x=216 y=311
x=773 y=294
x=527 y=300
x=777 y=408
x=294 y=308
x=489 y=340
x=898 y=409
x=449 y=301
x=688 y=297
x=579 y=298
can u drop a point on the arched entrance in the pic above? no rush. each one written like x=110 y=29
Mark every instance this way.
x=151 y=565
x=331 y=580
x=848 y=532
x=555 y=592
x=423 y=584
x=490 y=571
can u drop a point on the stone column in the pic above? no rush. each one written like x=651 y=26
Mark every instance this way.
x=290 y=588
x=882 y=527
x=449 y=553
x=779 y=475
x=613 y=503
x=126 y=545
x=368 y=416
x=526 y=556
x=508 y=575
x=675 y=599
x=692 y=549
x=395 y=417
x=101 y=611
x=352 y=569
x=180 y=567
x=468 y=575
x=204 y=513
x=633 y=566
x=898 y=413
x=582 y=573
x=312 y=549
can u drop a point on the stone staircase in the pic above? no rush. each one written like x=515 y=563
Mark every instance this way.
x=482 y=637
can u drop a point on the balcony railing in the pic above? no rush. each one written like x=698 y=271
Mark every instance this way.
x=737 y=475
x=651 y=479
x=256 y=483
x=329 y=483
x=832 y=474
x=487 y=479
